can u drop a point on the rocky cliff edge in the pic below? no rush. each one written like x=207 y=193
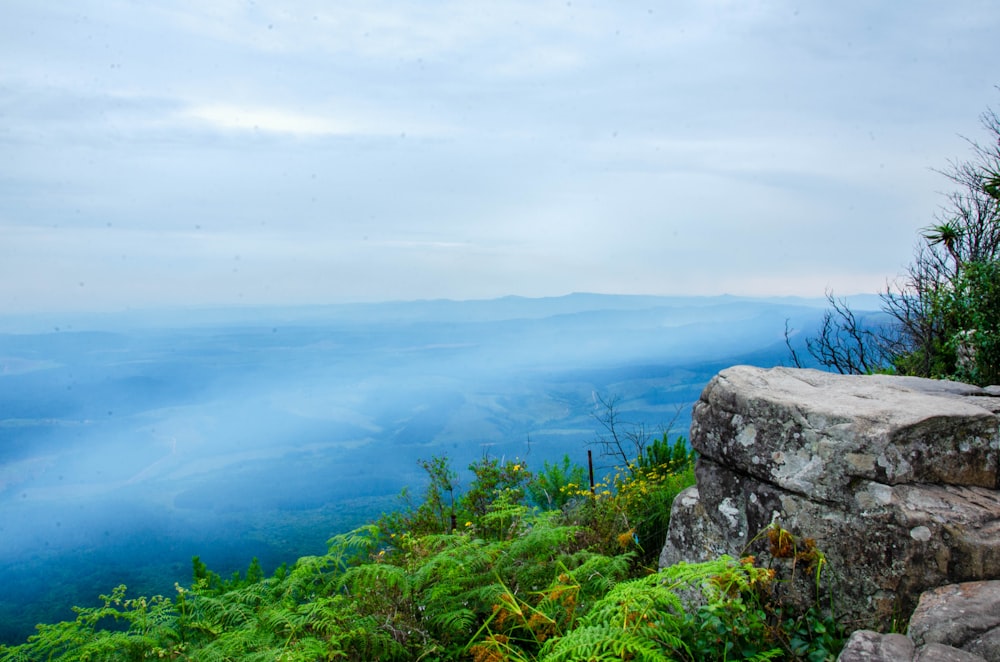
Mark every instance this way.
x=896 y=480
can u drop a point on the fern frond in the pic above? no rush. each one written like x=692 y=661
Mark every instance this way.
x=596 y=573
x=376 y=577
x=309 y=577
x=284 y=622
x=310 y=649
x=455 y=622
x=353 y=547
x=454 y=569
x=326 y=616
x=543 y=540
x=634 y=602
x=601 y=643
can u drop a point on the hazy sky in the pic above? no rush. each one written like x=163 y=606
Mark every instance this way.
x=192 y=152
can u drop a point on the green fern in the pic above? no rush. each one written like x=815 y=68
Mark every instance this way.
x=603 y=643
x=597 y=573
x=389 y=581
x=515 y=585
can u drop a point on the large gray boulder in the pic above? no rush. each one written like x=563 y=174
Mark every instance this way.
x=954 y=623
x=895 y=479
x=965 y=616
x=815 y=433
x=871 y=646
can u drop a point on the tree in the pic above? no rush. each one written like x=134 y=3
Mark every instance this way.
x=941 y=305
x=848 y=343
x=974 y=305
x=623 y=441
x=948 y=235
x=943 y=311
x=436 y=513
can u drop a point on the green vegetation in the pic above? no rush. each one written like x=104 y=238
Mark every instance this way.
x=942 y=318
x=487 y=573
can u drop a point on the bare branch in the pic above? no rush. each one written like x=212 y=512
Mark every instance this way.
x=788 y=343
x=928 y=308
x=622 y=441
x=850 y=345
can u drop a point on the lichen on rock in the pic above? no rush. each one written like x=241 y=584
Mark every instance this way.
x=895 y=478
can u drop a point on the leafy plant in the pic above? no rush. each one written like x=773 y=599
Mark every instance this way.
x=493 y=477
x=511 y=583
x=550 y=488
x=940 y=319
x=631 y=508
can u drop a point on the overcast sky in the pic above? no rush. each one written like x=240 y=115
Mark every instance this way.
x=192 y=152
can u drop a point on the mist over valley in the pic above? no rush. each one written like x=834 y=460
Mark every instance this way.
x=131 y=442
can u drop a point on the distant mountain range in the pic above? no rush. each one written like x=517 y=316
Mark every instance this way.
x=130 y=442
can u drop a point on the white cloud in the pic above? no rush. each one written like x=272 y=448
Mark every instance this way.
x=533 y=147
x=270 y=119
x=318 y=122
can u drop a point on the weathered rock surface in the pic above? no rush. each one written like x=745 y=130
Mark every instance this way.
x=896 y=480
x=942 y=653
x=870 y=646
x=965 y=616
x=958 y=622
x=816 y=433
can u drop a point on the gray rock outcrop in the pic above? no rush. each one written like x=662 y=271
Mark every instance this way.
x=871 y=646
x=964 y=616
x=954 y=623
x=895 y=479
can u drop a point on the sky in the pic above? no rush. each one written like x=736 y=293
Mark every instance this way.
x=191 y=153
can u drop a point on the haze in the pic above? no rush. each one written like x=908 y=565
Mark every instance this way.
x=187 y=187
x=130 y=443
x=311 y=152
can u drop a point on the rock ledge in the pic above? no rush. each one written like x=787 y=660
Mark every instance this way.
x=896 y=479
